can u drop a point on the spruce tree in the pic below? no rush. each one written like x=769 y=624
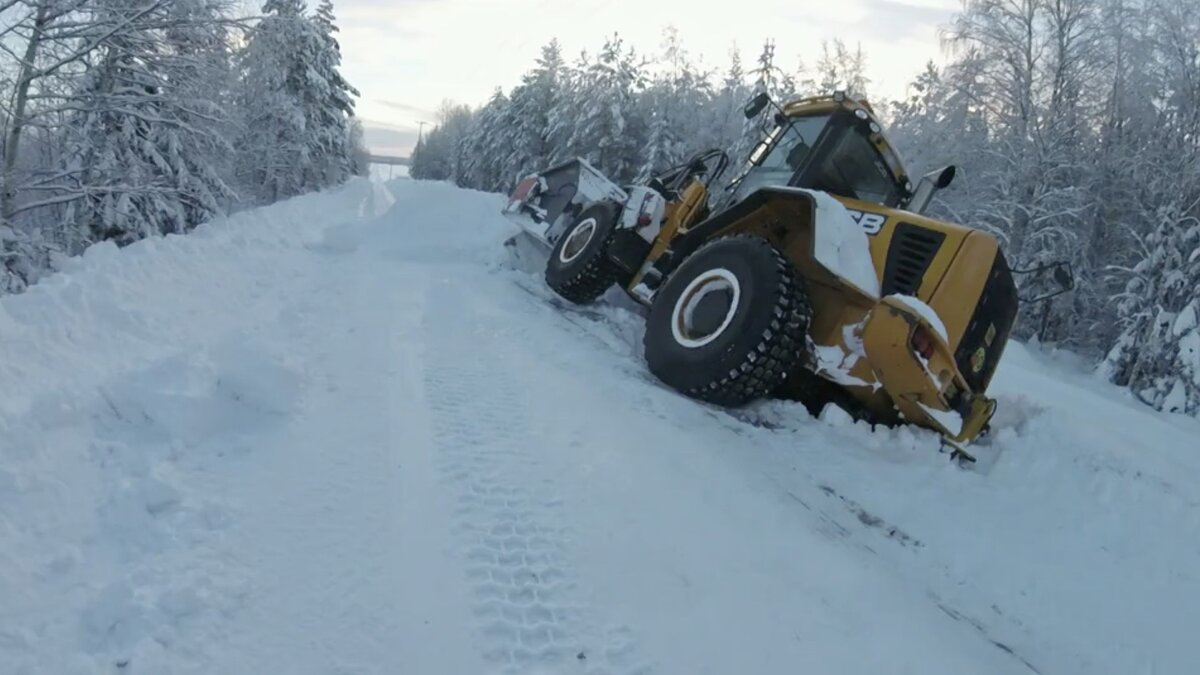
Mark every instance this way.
x=486 y=147
x=533 y=103
x=1157 y=355
x=296 y=106
x=609 y=131
x=331 y=107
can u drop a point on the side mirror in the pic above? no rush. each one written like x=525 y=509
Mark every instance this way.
x=755 y=105
x=1046 y=281
x=1063 y=276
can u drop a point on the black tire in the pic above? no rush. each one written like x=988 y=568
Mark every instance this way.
x=582 y=274
x=754 y=346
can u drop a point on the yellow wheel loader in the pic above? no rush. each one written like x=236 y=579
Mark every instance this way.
x=814 y=276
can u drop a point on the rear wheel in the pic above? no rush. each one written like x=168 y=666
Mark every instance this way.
x=730 y=324
x=579 y=268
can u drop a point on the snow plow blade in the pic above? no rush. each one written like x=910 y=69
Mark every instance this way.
x=545 y=203
x=526 y=252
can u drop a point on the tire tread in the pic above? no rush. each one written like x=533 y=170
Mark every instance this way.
x=591 y=282
x=600 y=273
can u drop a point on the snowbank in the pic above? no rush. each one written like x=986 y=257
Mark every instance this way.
x=110 y=308
x=127 y=376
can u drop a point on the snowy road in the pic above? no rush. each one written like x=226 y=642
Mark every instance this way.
x=340 y=435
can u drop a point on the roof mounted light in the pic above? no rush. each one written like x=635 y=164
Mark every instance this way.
x=839 y=96
x=874 y=128
x=860 y=113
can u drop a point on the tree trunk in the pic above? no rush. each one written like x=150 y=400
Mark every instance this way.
x=25 y=78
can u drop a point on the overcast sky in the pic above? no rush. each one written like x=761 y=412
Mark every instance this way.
x=406 y=56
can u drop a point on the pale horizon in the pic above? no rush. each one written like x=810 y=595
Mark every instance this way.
x=407 y=56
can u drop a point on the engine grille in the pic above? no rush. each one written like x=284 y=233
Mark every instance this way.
x=983 y=342
x=908 y=258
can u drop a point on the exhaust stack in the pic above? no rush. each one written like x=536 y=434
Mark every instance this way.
x=930 y=184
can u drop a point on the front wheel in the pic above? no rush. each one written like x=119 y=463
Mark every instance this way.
x=579 y=268
x=730 y=324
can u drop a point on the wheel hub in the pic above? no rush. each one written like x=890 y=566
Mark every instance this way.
x=577 y=240
x=706 y=308
x=710 y=311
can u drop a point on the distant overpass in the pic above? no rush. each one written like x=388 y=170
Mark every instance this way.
x=390 y=160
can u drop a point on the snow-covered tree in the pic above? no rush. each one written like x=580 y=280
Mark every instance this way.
x=840 y=68
x=1020 y=66
x=1157 y=354
x=27 y=255
x=47 y=41
x=608 y=130
x=331 y=106
x=533 y=102
x=123 y=117
x=199 y=38
x=676 y=107
x=295 y=105
x=564 y=114
x=767 y=78
x=47 y=45
x=143 y=138
x=486 y=150
x=273 y=146
x=730 y=99
x=361 y=157
x=439 y=155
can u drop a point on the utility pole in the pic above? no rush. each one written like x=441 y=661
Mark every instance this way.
x=420 y=130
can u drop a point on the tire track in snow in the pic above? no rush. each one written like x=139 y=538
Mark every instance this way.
x=846 y=521
x=526 y=596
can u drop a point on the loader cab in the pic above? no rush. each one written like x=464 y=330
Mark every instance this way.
x=832 y=144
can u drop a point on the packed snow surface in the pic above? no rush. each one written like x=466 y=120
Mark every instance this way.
x=343 y=435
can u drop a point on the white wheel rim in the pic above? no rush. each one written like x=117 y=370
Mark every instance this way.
x=712 y=281
x=577 y=240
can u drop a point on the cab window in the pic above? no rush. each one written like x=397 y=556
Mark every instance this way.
x=855 y=169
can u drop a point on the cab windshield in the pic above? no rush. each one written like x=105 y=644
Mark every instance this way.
x=847 y=164
x=853 y=168
x=787 y=149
